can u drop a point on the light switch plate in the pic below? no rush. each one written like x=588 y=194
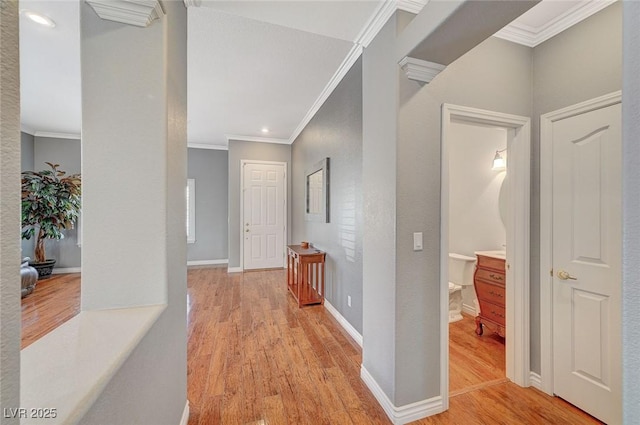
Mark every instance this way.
x=417 y=241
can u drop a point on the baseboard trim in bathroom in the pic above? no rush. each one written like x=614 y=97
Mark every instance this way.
x=479 y=386
x=470 y=310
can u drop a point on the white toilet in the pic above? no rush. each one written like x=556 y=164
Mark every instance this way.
x=461 y=268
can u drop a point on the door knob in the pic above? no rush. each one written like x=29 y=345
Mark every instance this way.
x=563 y=275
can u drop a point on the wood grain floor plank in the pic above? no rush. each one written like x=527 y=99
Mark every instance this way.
x=54 y=301
x=255 y=358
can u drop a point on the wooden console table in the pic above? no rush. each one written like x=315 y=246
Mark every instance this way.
x=305 y=274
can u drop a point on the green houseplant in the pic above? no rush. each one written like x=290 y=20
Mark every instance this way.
x=50 y=204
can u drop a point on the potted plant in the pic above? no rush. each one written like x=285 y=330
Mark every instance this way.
x=50 y=204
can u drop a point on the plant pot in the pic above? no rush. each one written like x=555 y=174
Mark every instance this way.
x=44 y=269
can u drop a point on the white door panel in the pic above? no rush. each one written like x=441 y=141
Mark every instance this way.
x=263 y=215
x=587 y=248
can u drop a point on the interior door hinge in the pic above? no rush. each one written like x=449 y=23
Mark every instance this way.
x=551 y=272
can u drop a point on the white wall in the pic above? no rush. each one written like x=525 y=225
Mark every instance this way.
x=134 y=177
x=475 y=192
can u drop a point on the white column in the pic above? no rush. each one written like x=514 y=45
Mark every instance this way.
x=133 y=164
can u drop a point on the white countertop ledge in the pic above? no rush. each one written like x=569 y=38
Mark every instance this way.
x=501 y=255
x=68 y=368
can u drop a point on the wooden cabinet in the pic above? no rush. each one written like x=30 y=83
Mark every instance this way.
x=489 y=281
x=305 y=274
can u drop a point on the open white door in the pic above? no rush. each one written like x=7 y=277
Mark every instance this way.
x=264 y=217
x=587 y=244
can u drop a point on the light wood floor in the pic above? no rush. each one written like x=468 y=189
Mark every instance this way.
x=54 y=301
x=474 y=361
x=255 y=358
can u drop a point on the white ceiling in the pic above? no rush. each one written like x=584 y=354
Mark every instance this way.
x=244 y=74
x=251 y=64
x=50 y=69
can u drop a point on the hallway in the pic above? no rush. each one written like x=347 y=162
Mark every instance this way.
x=255 y=358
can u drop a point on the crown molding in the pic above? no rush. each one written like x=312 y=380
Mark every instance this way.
x=411 y=6
x=376 y=22
x=533 y=36
x=194 y=3
x=368 y=33
x=342 y=70
x=420 y=70
x=131 y=12
x=56 y=135
x=241 y=138
x=207 y=146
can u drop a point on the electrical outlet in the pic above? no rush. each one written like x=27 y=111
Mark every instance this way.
x=349 y=300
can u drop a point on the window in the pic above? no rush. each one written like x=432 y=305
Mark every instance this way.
x=191 y=210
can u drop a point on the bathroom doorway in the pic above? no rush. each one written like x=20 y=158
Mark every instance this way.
x=501 y=237
x=477 y=230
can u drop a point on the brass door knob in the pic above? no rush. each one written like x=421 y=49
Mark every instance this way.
x=563 y=275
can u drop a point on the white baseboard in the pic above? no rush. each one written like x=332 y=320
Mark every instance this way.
x=535 y=380
x=403 y=414
x=469 y=309
x=234 y=270
x=206 y=262
x=344 y=323
x=185 y=414
x=63 y=270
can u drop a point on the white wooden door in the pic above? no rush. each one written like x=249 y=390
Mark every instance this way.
x=587 y=242
x=263 y=225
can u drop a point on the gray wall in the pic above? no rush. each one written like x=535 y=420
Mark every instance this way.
x=67 y=153
x=9 y=210
x=496 y=75
x=210 y=170
x=335 y=132
x=239 y=150
x=27 y=145
x=26 y=151
x=631 y=218
x=379 y=100
x=579 y=64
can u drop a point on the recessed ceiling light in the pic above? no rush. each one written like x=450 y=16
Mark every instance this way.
x=38 y=18
x=265 y=130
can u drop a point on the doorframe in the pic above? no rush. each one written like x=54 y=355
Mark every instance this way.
x=518 y=220
x=546 y=225
x=244 y=162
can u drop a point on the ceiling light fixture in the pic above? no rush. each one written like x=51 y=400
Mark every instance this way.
x=38 y=18
x=499 y=163
x=265 y=130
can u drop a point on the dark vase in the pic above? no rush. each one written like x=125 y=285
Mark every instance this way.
x=44 y=269
x=28 y=278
